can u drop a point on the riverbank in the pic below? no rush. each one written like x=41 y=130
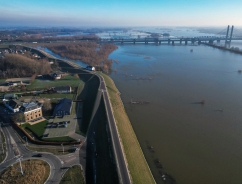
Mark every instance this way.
x=224 y=48
x=137 y=164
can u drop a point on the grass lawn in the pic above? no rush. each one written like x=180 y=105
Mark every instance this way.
x=43 y=84
x=137 y=164
x=73 y=175
x=2 y=80
x=35 y=171
x=57 y=95
x=59 y=139
x=38 y=129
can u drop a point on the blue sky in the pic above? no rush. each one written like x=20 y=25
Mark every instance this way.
x=96 y=13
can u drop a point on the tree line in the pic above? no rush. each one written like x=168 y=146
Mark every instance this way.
x=13 y=65
x=91 y=53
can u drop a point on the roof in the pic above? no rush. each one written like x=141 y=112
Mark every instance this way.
x=29 y=106
x=89 y=66
x=8 y=96
x=13 y=104
x=63 y=105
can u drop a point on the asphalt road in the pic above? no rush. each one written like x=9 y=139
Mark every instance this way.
x=118 y=151
x=16 y=149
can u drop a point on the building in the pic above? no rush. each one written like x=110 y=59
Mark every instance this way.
x=8 y=97
x=90 y=68
x=56 y=76
x=63 y=107
x=12 y=105
x=66 y=89
x=31 y=111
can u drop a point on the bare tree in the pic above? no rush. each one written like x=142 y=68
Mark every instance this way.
x=18 y=117
x=46 y=105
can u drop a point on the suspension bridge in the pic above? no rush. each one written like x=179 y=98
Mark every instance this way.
x=225 y=35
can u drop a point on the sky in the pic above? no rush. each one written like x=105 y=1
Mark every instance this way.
x=113 y=13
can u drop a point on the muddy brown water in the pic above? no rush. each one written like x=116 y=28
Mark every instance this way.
x=193 y=142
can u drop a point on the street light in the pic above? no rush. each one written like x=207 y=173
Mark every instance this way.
x=62 y=148
x=19 y=159
x=25 y=139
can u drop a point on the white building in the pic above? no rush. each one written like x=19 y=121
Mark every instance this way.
x=90 y=68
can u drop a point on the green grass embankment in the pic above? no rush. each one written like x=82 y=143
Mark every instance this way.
x=57 y=95
x=137 y=164
x=43 y=84
x=38 y=129
x=73 y=175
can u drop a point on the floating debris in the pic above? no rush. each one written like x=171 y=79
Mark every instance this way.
x=239 y=71
x=202 y=102
x=139 y=102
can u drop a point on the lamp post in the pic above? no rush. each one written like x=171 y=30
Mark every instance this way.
x=19 y=159
x=25 y=140
x=62 y=148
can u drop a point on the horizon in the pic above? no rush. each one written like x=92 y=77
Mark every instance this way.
x=112 y=13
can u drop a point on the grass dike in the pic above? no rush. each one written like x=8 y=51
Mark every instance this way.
x=137 y=165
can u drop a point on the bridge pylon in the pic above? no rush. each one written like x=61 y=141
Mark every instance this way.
x=231 y=35
x=226 y=40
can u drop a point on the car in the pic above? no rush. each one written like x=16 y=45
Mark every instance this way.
x=38 y=155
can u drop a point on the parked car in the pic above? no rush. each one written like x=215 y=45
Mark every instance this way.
x=38 y=155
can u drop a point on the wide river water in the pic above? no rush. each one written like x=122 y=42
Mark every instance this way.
x=195 y=143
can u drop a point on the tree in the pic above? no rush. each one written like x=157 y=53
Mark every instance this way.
x=18 y=117
x=46 y=105
x=76 y=76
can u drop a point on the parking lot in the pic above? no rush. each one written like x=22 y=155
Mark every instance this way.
x=60 y=127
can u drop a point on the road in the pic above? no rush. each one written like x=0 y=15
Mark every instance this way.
x=118 y=150
x=122 y=167
x=15 y=149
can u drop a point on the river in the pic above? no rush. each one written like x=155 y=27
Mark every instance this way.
x=195 y=143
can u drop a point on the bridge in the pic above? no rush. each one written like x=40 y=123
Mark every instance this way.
x=202 y=39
